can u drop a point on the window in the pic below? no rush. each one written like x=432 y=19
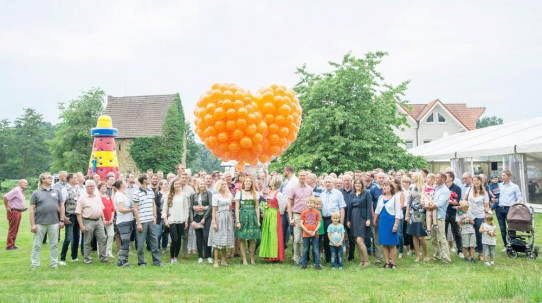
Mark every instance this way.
x=426 y=141
x=429 y=118
x=441 y=118
x=409 y=144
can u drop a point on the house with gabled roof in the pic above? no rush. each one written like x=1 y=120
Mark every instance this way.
x=136 y=116
x=435 y=120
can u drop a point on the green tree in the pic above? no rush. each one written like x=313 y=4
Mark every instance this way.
x=348 y=119
x=488 y=121
x=198 y=157
x=72 y=144
x=31 y=133
x=166 y=151
x=8 y=151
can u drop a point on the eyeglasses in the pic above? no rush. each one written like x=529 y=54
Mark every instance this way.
x=91 y=186
x=49 y=177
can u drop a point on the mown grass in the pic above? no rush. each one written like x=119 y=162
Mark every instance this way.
x=510 y=280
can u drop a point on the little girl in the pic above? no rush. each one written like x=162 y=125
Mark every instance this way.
x=488 y=240
x=426 y=199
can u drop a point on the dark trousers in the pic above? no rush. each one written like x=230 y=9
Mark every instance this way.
x=450 y=221
x=502 y=214
x=176 y=232
x=352 y=245
x=71 y=235
x=286 y=228
x=14 y=218
x=327 y=222
x=165 y=236
x=125 y=232
x=202 y=237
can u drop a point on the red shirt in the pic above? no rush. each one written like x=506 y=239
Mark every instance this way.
x=108 y=207
x=310 y=219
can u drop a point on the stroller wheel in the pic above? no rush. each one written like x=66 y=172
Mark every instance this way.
x=512 y=253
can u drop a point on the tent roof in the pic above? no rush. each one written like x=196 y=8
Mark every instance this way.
x=523 y=136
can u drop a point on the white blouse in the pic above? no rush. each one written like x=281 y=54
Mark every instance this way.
x=178 y=212
x=393 y=206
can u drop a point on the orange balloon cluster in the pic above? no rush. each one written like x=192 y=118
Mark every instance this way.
x=235 y=125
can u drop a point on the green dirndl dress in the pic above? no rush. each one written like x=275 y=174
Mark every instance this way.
x=249 y=221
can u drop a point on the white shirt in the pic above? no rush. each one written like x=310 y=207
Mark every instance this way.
x=292 y=182
x=393 y=206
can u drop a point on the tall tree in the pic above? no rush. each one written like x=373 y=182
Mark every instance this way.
x=348 y=119
x=31 y=132
x=72 y=145
x=488 y=121
x=198 y=157
x=8 y=152
x=162 y=152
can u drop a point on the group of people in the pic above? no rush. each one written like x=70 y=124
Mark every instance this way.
x=378 y=213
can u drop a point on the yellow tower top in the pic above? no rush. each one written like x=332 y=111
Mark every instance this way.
x=104 y=122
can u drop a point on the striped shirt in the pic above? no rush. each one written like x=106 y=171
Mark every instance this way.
x=145 y=203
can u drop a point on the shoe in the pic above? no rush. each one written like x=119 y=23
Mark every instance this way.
x=473 y=260
x=110 y=256
x=503 y=250
x=62 y=263
x=297 y=264
x=172 y=261
x=12 y=248
x=340 y=268
x=75 y=260
x=54 y=267
x=88 y=262
x=200 y=260
x=210 y=260
x=143 y=265
x=435 y=226
x=184 y=258
x=461 y=255
x=124 y=265
x=492 y=263
x=318 y=268
x=466 y=259
x=106 y=261
x=409 y=253
x=34 y=267
x=400 y=256
x=159 y=265
x=487 y=263
x=303 y=267
x=453 y=249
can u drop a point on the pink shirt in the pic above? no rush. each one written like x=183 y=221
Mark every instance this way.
x=16 y=198
x=299 y=195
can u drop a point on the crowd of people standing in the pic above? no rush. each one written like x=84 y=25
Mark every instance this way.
x=225 y=215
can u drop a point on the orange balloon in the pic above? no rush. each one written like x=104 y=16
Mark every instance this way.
x=231 y=125
x=251 y=129
x=242 y=113
x=257 y=138
x=246 y=142
x=269 y=118
x=241 y=123
x=273 y=128
x=220 y=125
x=279 y=120
x=223 y=137
x=219 y=114
x=237 y=134
x=273 y=139
x=234 y=147
x=268 y=108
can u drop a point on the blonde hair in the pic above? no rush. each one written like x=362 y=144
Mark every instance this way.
x=218 y=185
x=276 y=182
x=464 y=203
x=418 y=180
x=406 y=179
x=198 y=182
x=313 y=200
x=489 y=218
x=335 y=214
x=431 y=176
x=42 y=176
x=317 y=201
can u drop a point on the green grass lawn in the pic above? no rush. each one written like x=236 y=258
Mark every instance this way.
x=510 y=280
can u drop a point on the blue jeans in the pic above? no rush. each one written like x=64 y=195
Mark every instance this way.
x=336 y=253
x=401 y=237
x=71 y=235
x=477 y=223
x=315 y=250
x=287 y=229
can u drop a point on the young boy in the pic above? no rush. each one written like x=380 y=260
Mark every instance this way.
x=488 y=240
x=321 y=231
x=466 y=220
x=335 y=233
x=310 y=222
x=494 y=191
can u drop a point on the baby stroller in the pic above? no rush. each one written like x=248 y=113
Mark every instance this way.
x=520 y=234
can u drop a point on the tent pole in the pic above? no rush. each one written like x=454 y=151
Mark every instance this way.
x=472 y=166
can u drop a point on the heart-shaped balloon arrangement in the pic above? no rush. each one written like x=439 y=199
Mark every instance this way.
x=236 y=125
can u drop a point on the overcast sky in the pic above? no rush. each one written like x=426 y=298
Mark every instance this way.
x=483 y=53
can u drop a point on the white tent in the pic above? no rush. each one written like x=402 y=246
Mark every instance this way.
x=518 y=143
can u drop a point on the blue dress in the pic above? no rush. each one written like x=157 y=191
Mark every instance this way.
x=385 y=227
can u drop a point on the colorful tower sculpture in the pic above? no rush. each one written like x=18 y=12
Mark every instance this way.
x=103 y=159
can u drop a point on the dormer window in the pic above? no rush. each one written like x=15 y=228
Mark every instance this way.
x=441 y=118
x=429 y=118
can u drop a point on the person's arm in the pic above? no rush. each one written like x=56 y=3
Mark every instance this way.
x=62 y=212
x=486 y=204
x=122 y=209
x=186 y=210
x=342 y=205
x=289 y=206
x=402 y=200
x=330 y=239
x=153 y=214
x=192 y=207
x=81 y=225
x=342 y=238
x=482 y=229
x=136 y=216
x=33 y=227
x=237 y=218
x=519 y=197
x=6 y=202
x=257 y=205
x=208 y=209
x=349 y=212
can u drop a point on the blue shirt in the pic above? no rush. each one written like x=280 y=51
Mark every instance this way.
x=510 y=193
x=332 y=201
x=336 y=233
x=441 y=198
x=376 y=192
x=317 y=191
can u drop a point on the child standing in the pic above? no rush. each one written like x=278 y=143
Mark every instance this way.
x=427 y=199
x=335 y=233
x=466 y=220
x=488 y=240
x=321 y=231
x=310 y=222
